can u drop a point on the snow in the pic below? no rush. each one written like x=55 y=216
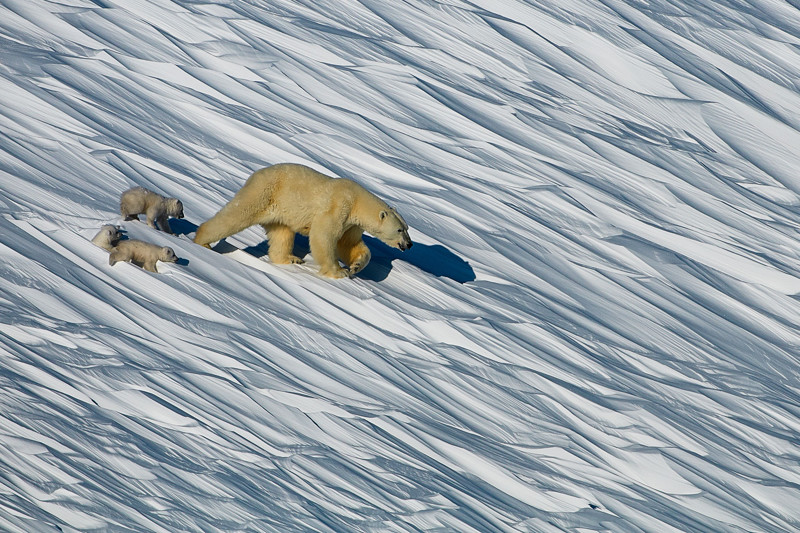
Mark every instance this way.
x=596 y=328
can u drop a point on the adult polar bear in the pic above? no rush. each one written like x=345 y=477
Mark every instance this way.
x=289 y=198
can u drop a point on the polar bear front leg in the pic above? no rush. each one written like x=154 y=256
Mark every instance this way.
x=361 y=259
x=150 y=265
x=152 y=217
x=163 y=224
x=323 y=249
x=117 y=256
x=352 y=250
x=281 y=244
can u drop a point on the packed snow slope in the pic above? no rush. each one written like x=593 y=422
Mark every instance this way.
x=596 y=330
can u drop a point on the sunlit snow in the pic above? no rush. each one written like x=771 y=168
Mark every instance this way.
x=596 y=329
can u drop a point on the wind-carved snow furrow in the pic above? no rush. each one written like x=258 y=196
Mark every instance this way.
x=595 y=328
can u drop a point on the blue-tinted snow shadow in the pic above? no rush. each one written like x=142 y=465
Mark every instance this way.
x=181 y=226
x=433 y=259
x=436 y=259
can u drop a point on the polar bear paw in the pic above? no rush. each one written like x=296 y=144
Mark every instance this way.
x=356 y=267
x=335 y=273
x=286 y=259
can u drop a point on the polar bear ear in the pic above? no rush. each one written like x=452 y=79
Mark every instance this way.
x=383 y=214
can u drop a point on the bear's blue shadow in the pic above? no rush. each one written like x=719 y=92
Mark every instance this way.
x=436 y=260
x=433 y=259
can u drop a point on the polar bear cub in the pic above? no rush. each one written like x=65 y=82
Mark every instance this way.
x=107 y=237
x=140 y=201
x=141 y=253
x=288 y=198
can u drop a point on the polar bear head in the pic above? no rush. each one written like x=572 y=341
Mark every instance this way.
x=167 y=255
x=107 y=237
x=174 y=207
x=393 y=230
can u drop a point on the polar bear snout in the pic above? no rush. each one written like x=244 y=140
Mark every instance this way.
x=394 y=230
x=168 y=255
x=404 y=243
x=177 y=209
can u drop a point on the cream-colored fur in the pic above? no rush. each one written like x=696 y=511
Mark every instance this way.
x=107 y=237
x=141 y=253
x=287 y=198
x=141 y=201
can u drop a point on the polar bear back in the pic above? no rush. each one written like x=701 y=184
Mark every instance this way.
x=138 y=201
x=294 y=195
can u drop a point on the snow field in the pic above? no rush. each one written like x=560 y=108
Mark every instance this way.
x=595 y=329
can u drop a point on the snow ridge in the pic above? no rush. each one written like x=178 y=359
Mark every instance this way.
x=596 y=329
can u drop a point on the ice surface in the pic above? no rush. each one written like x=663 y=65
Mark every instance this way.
x=596 y=329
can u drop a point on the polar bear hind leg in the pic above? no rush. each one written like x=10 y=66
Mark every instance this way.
x=281 y=244
x=223 y=224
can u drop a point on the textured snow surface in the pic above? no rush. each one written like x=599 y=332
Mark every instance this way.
x=596 y=329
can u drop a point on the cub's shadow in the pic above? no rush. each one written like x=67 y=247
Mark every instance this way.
x=181 y=226
x=433 y=259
